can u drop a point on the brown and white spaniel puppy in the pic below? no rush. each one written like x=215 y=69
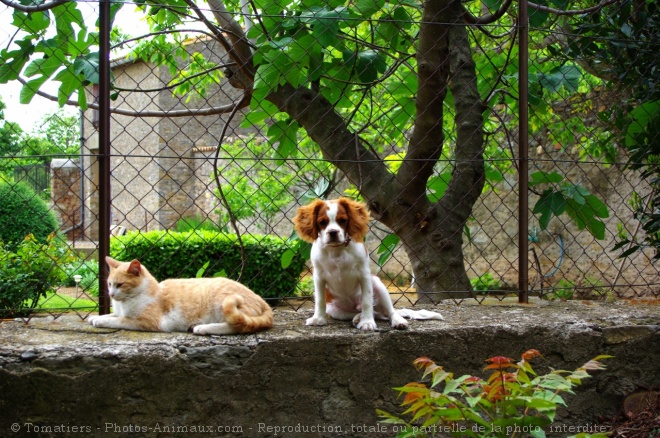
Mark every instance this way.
x=343 y=285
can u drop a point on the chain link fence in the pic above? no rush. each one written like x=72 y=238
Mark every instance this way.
x=217 y=133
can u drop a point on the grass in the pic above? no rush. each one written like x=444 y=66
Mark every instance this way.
x=54 y=301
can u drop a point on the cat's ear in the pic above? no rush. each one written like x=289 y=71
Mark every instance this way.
x=135 y=268
x=112 y=262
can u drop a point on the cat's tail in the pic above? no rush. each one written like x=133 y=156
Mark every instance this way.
x=247 y=317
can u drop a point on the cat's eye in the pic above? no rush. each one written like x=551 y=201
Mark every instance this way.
x=119 y=284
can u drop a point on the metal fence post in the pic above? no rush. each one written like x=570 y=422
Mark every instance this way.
x=104 y=152
x=523 y=154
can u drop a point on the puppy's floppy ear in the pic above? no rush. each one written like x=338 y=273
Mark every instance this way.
x=305 y=221
x=358 y=218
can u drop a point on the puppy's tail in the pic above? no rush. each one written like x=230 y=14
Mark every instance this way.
x=247 y=317
x=418 y=314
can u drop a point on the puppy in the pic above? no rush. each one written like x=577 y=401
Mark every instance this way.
x=343 y=285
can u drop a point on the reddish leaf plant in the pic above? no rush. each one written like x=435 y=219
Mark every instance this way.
x=513 y=402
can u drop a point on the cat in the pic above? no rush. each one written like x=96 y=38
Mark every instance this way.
x=210 y=306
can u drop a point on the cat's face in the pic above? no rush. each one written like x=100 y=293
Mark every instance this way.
x=125 y=279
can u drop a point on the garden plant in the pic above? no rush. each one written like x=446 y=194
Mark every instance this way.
x=514 y=401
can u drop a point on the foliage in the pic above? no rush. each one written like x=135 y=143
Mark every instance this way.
x=192 y=223
x=51 y=48
x=564 y=290
x=582 y=207
x=514 y=399
x=486 y=282
x=170 y=254
x=622 y=45
x=22 y=212
x=259 y=184
x=29 y=271
x=89 y=271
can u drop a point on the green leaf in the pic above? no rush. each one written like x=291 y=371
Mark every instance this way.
x=639 y=118
x=543 y=177
x=266 y=79
x=493 y=174
x=583 y=216
x=369 y=64
x=567 y=76
x=45 y=66
x=200 y=272
x=325 y=24
x=492 y=5
x=387 y=247
x=88 y=66
x=287 y=258
x=437 y=185
x=34 y=22
x=284 y=133
x=550 y=202
x=70 y=83
x=538 y=18
x=30 y=88
x=366 y=8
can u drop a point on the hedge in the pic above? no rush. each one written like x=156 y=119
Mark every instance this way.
x=22 y=212
x=169 y=254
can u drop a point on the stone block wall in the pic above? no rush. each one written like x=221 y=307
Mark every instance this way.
x=66 y=196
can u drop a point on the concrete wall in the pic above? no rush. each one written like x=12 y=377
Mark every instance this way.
x=66 y=373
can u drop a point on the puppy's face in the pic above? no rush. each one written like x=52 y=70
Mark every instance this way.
x=332 y=221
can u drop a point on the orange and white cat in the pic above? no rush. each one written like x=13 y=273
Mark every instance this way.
x=208 y=306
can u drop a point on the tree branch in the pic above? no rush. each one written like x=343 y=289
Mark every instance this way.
x=554 y=11
x=338 y=144
x=35 y=8
x=488 y=18
x=240 y=49
x=426 y=142
x=177 y=113
x=468 y=177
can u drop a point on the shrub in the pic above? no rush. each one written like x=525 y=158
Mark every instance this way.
x=22 y=212
x=486 y=282
x=513 y=401
x=170 y=254
x=28 y=271
x=89 y=270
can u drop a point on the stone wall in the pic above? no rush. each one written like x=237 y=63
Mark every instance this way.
x=67 y=374
x=66 y=196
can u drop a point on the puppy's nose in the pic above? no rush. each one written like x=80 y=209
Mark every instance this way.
x=333 y=234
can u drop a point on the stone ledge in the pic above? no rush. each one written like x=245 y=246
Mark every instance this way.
x=65 y=372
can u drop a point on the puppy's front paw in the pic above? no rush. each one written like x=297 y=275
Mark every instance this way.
x=316 y=320
x=367 y=324
x=398 y=322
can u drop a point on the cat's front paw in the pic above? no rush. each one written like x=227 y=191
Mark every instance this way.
x=102 y=321
x=316 y=320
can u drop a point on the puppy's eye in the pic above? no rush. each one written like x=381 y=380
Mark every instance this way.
x=323 y=222
x=342 y=221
